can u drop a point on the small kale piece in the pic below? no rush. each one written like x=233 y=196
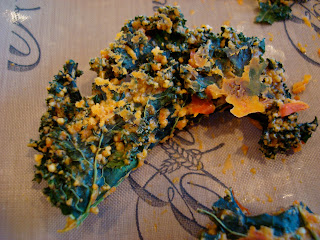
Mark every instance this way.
x=273 y=11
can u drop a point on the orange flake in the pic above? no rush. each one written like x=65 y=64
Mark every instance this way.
x=313 y=37
x=240 y=138
x=155 y=227
x=297 y=149
x=253 y=170
x=227 y=164
x=199 y=166
x=301 y=86
x=164 y=211
x=227 y=23
x=192 y=12
x=271 y=37
x=319 y=51
x=242 y=161
x=302 y=49
x=244 y=149
x=212 y=229
x=212 y=135
x=175 y=3
x=175 y=180
x=289 y=108
x=297 y=97
x=200 y=143
x=240 y=2
x=306 y=21
x=269 y=198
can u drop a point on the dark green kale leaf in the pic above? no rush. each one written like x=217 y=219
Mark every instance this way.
x=201 y=83
x=255 y=86
x=272 y=11
x=240 y=60
x=230 y=219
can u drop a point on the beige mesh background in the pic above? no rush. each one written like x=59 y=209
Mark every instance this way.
x=78 y=29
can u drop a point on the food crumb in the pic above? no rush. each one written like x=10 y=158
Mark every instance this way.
x=240 y=2
x=155 y=227
x=240 y=138
x=306 y=21
x=192 y=12
x=283 y=160
x=319 y=51
x=175 y=4
x=271 y=37
x=269 y=198
x=296 y=97
x=253 y=170
x=299 y=87
x=227 y=165
x=242 y=161
x=94 y=210
x=164 y=211
x=300 y=181
x=302 y=49
x=227 y=23
x=212 y=229
x=297 y=149
x=199 y=166
x=175 y=180
x=212 y=135
x=275 y=188
x=244 y=149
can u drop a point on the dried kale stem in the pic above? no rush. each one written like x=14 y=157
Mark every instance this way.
x=95 y=169
x=313 y=234
x=221 y=223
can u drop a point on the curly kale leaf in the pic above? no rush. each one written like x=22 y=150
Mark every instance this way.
x=273 y=11
x=306 y=129
x=282 y=135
